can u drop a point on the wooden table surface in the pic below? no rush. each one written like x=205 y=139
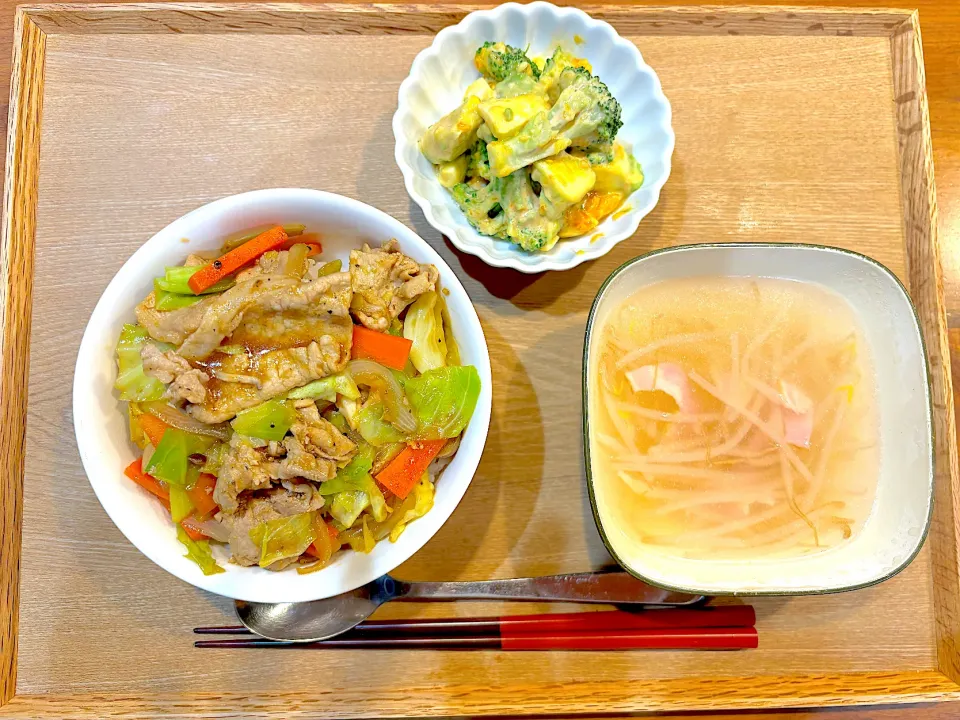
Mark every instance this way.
x=940 y=23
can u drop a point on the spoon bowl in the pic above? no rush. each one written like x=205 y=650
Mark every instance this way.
x=324 y=619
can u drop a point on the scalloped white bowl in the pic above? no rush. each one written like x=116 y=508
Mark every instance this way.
x=435 y=86
x=100 y=418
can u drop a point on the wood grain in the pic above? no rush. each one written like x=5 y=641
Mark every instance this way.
x=16 y=284
x=133 y=136
x=918 y=198
x=320 y=19
x=481 y=699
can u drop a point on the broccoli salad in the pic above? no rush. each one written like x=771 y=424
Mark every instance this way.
x=530 y=156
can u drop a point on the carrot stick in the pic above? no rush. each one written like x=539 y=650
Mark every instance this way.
x=201 y=495
x=385 y=349
x=153 y=427
x=406 y=469
x=212 y=273
x=135 y=472
x=332 y=534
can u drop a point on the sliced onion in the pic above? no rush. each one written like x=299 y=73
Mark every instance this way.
x=175 y=417
x=148 y=451
x=213 y=529
x=375 y=375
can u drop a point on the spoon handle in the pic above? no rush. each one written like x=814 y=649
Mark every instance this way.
x=615 y=588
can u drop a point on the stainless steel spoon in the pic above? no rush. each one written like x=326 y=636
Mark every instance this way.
x=322 y=619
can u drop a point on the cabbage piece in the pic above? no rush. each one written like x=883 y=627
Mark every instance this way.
x=423 y=326
x=284 y=537
x=198 y=551
x=171 y=459
x=132 y=382
x=348 y=505
x=180 y=505
x=443 y=400
x=374 y=429
x=214 y=458
x=416 y=505
x=352 y=479
x=327 y=389
x=269 y=420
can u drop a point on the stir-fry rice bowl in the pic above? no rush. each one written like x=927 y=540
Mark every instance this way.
x=105 y=440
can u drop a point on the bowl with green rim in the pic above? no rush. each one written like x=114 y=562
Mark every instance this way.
x=899 y=518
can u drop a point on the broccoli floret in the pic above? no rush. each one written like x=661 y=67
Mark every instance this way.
x=478 y=166
x=482 y=205
x=560 y=61
x=595 y=154
x=497 y=61
x=585 y=114
x=514 y=85
x=600 y=122
x=527 y=224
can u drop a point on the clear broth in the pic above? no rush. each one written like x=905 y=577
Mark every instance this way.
x=764 y=442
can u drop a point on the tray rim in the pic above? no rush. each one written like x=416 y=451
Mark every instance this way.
x=34 y=22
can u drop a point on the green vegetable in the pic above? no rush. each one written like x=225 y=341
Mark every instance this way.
x=337 y=419
x=347 y=506
x=497 y=61
x=327 y=389
x=530 y=222
x=396 y=328
x=171 y=459
x=350 y=477
x=165 y=301
x=199 y=552
x=175 y=280
x=284 y=537
x=350 y=483
x=374 y=429
x=132 y=382
x=214 y=459
x=269 y=421
x=423 y=325
x=180 y=505
x=585 y=114
x=482 y=205
x=334 y=266
x=443 y=400
x=478 y=166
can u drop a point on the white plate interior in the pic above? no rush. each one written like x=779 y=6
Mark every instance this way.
x=100 y=420
x=898 y=522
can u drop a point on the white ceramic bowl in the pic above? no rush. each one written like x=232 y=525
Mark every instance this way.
x=101 y=425
x=435 y=86
x=900 y=517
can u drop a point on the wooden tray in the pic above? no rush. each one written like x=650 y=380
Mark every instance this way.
x=791 y=125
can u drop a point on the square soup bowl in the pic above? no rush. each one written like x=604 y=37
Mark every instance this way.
x=900 y=516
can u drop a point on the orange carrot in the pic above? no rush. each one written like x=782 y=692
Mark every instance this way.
x=135 y=472
x=201 y=495
x=193 y=531
x=212 y=273
x=388 y=350
x=406 y=469
x=153 y=427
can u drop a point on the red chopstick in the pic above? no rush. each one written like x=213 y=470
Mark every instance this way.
x=714 y=628
x=715 y=616
x=725 y=638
